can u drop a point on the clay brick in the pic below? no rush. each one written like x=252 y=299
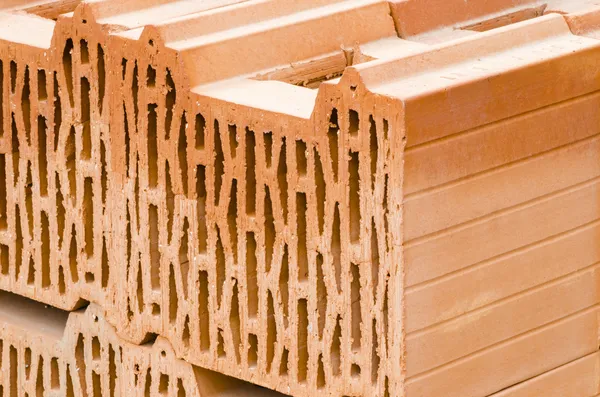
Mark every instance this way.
x=290 y=194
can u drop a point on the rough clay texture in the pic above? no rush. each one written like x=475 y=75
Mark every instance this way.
x=359 y=197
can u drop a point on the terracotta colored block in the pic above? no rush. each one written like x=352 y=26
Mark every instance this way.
x=305 y=195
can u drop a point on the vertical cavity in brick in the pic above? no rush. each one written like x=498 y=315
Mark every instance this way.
x=70 y=157
x=233 y=142
x=182 y=154
x=15 y=149
x=170 y=99
x=4 y=260
x=336 y=247
x=152 y=143
x=150 y=76
x=234 y=322
x=170 y=201
x=320 y=190
x=268 y=138
x=301 y=160
x=301 y=231
x=1 y=98
x=354 y=122
x=252 y=350
x=135 y=87
x=282 y=179
x=203 y=311
x=86 y=135
x=127 y=143
x=320 y=373
x=13 y=366
x=18 y=242
x=173 y=299
x=302 y=340
x=45 y=250
x=60 y=210
x=101 y=66
x=42 y=90
x=283 y=364
x=269 y=230
x=374 y=259
x=26 y=106
x=232 y=219
x=80 y=361
x=354 y=199
x=335 y=354
x=84 y=51
x=201 y=208
x=154 y=247
x=220 y=267
x=88 y=216
x=321 y=295
x=54 y=374
x=68 y=68
x=3 y=193
x=374 y=354
x=250 y=172
x=42 y=156
x=184 y=261
x=284 y=284
x=219 y=162
x=333 y=139
x=31 y=272
x=355 y=298
x=39 y=379
x=200 y=129
x=103 y=172
x=73 y=256
x=373 y=149
x=105 y=265
x=13 y=77
x=271 y=331
x=57 y=119
x=29 y=199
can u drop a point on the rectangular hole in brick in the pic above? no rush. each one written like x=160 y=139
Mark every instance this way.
x=250 y=172
x=170 y=99
x=104 y=264
x=73 y=256
x=123 y=68
x=251 y=274
x=150 y=76
x=1 y=98
x=385 y=316
x=374 y=259
x=386 y=128
x=18 y=242
x=31 y=272
x=155 y=309
x=201 y=208
x=220 y=267
x=374 y=354
x=89 y=277
x=96 y=348
x=13 y=77
x=354 y=198
x=39 y=380
x=301 y=160
x=42 y=156
x=268 y=138
x=282 y=179
x=152 y=143
x=203 y=311
x=180 y=388
x=219 y=162
x=88 y=215
x=355 y=371
x=252 y=351
x=86 y=135
x=184 y=259
x=302 y=340
x=333 y=139
x=71 y=164
x=148 y=383
x=27 y=360
x=3 y=193
x=234 y=322
x=126 y=138
x=335 y=353
x=15 y=149
x=54 y=374
x=45 y=250
x=154 y=246
x=103 y=172
x=271 y=331
x=85 y=52
x=68 y=68
x=112 y=371
x=336 y=247
x=57 y=119
x=301 y=231
x=232 y=220
x=269 y=229
x=320 y=373
x=29 y=199
x=320 y=190
x=284 y=281
x=185 y=336
x=321 y=295
x=220 y=344
x=233 y=142
x=385 y=208
x=170 y=201
x=13 y=366
x=182 y=154
x=354 y=122
x=4 y=258
x=163 y=384
x=96 y=385
x=42 y=90
x=283 y=365
x=374 y=149
x=355 y=292
x=26 y=105
x=135 y=87
x=69 y=383
x=61 y=281
x=101 y=77
x=60 y=210
x=173 y=299
x=200 y=129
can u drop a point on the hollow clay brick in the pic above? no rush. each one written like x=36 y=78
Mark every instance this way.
x=350 y=197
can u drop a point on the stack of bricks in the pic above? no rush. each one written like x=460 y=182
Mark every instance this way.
x=252 y=197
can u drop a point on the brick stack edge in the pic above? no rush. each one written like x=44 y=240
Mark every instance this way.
x=344 y=197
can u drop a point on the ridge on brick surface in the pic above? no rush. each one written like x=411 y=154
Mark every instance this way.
x=242 y=179
x=45 y=351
